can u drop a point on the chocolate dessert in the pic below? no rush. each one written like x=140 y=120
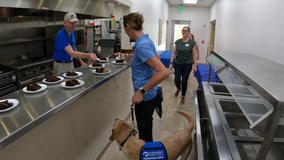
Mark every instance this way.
x=97 y=64
x=102 y=70
x=119 y=61
x=102 y=58
x=71 y=73
x=52 y=78
x=5 y=104
x=113 y=56
x=99 y=70
x=33 y=87
x=72 y=82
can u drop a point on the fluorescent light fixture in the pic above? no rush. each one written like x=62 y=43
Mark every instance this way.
x=190 y=1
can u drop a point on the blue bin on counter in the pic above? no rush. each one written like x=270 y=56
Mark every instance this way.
x=166 y=57
x=202 y=74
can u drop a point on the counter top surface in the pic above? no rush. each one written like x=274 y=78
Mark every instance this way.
x=263 y=74
x=35 y=108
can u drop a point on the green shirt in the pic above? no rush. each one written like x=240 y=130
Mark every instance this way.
x=184 y=51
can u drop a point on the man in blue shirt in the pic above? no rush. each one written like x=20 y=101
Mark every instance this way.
x=65 y=46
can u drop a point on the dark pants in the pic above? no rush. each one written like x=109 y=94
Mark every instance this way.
x=182 y=72
x=144 y=118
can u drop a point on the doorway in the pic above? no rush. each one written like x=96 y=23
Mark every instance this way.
x=177 y=26
x=212 y=37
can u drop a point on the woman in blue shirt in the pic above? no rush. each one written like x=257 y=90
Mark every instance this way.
x=147 y=72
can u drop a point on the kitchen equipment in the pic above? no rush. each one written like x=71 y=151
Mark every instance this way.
x=239 y=90
x=8 y=82
x=29 y=71
x=241 y=118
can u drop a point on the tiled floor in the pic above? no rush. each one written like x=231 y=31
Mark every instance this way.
x=170 y=122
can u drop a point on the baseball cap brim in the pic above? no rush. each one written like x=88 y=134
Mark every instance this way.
x=73 y=20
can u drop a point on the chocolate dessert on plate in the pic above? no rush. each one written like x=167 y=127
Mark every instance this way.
x=119 y=61
x=102 y=71
x=72 y=82
x=52 y=78
x=5 y=104
x=99 y=70
x=96 y=64
x=33 y=87
x=71 y=73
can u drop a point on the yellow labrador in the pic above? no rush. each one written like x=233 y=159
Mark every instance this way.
x=131 y=146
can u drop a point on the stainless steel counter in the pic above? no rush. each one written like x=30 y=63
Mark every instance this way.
x=242 y=118
x=34 y=109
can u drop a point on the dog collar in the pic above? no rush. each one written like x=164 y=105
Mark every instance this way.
x=132 y=132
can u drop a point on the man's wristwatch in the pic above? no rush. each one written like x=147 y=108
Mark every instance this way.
x=142 y=90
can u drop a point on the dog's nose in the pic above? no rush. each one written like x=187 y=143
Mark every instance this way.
x=116 y=119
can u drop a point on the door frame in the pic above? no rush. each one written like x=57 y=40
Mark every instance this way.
x=212 y=36
x=172 y=29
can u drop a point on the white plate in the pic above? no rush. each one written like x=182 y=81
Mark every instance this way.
x=103 y=61
x=42 y=88
x=94 y=71
x=102 y=65
x=15 y=104
x=63 y=84
x=113 y=59
x=124 y=62
x=60 y=80
x=78 y=75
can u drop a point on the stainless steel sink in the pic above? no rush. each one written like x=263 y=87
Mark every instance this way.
x=219 y=89
x=232 y=89
x=229 y=106
x=245 y=113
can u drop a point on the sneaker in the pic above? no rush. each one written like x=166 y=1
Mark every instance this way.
x=177 y=92
x=182 y=100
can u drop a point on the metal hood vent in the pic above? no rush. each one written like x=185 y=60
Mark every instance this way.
x=97 y=8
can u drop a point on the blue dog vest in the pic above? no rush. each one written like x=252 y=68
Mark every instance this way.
x=153 y=150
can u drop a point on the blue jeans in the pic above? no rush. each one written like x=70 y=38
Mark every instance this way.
x=182 y=72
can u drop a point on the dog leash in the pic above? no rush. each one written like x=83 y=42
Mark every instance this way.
x=132 y=116
x=132 y=132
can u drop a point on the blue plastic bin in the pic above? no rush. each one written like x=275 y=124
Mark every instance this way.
x=202 y=74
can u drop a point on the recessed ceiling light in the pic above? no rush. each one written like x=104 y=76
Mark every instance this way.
x=190 y=1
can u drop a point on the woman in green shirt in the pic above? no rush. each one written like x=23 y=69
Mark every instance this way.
x=183 y=60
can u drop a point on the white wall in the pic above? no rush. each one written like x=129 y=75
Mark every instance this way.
x=153 y=10
x=200 y=25
x=250 y=26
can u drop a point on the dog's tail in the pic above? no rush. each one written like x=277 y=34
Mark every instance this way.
x=189 y=118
